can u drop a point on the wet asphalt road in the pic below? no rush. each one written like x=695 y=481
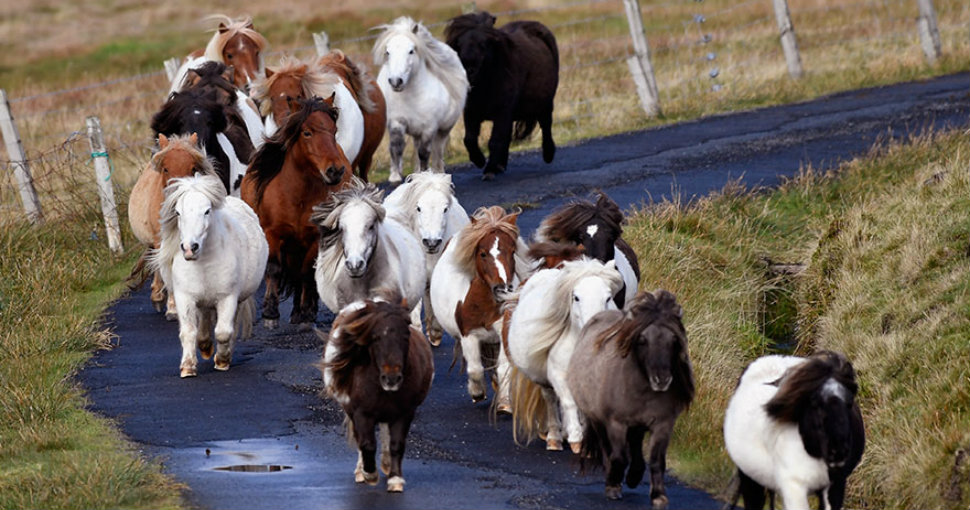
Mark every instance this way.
x=267 y=411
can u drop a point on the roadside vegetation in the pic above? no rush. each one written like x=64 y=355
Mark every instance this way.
x=880 y=248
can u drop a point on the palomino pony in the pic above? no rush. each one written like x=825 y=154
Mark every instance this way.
x=178 y=156
x=631 y=374
x=301 y=165
x=427 y=206
x=471 y=280
x=551 y=309
x=793 y=426
x=597 y=227
x=379 y=369
x=235 y=43
x=362 y=250
x=425 y=87
x=360 y=125
x=212 y=255
x=514 y=73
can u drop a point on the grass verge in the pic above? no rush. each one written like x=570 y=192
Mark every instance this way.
x=884 y=241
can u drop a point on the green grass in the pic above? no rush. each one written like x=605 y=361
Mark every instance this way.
x=885 y=240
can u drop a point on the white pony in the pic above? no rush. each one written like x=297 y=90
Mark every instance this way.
x=363 y=250
x=426 y=205
x=550 y=311
x=425 y=86
x=212 y=256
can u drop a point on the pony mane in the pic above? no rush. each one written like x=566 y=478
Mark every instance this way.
x=267 y=161
x=352 y=333
x=544 y=252
x=314 y=81
x=575 y=216
x=484 y=221
x=326 y=216
x=209 y=185
x=202 y=164
x=799 y=383
x=555 y=310
x=243 y=25
x=169 y=120
x=438 y=57
x=360 y=84
x=212 y=74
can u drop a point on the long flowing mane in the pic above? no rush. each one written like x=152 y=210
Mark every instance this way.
x=356 y=74
x=212 y=74
x=327 y=218
x=564 y=223
x=352 y=334
x=440 y=60
x=550 y=254
x=797 y=386
x=172 y=118
x=202 y=164
x=268 y=160
x=208 y=185
x=244 y=26
x=484 y=221
x=314 y=81
x=419 y=183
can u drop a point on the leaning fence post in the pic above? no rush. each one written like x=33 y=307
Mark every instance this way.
x=788 y=42
x=18 y=160
x=929 y=34
x=322 y=41
x=102 y=169
x=172 y=67
x=640 y=67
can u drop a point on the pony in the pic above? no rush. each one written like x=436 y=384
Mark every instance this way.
x=178 y=156
x=514 y=73
x=235 y=43
x=425 y=86
x=299 y=166
x=793 y=426
x=200 y=111
x=630 y=374
x=362 y=250
x=597 y=227
x=360 y=126
x=476 y=272
x=212 y=255
x=427 y=206
x=550 y=310
x=379 y=369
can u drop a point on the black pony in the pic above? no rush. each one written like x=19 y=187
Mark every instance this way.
x=513 y=72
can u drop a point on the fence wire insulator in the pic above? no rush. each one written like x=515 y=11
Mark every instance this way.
x=706 y=39
x=711 y=56
x=714 y=73
x=699 y=18
x=716 y=87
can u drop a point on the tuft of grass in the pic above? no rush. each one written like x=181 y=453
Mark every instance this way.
x=885 y=240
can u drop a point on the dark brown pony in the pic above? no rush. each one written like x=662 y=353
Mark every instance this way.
x=513 y=72
x=598 y=227
x=299 y=167
x=379 y=369
x=630 y=374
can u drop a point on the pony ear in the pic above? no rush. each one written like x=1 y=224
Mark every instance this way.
x=194 y=138
x=404 y=303
x=414 y=29
x=229 y=73
x=513 y=216
x=269 y=73
x=330 y=99
x=250 y=25
x=162 y=141
x=223 y=28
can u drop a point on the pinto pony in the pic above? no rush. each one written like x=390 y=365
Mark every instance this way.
x=631 y=374
x=379 y=369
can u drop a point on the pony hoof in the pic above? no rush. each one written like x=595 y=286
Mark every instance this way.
x=159 y=306
x=659 y=502
x=304 y=326
x=395 y=180
x=171 y=316
x=488 y=176
x=358 y=476
x=554 y=445
x=385 y=466
x=434 y=340
x=371 y=478
x=613 y=492
x=207 y=350
x=478 y=398
x=271 y=323
x=395 y=484
x=576 y=447
x=222 y=366
x=187 y=372
x=504 y=408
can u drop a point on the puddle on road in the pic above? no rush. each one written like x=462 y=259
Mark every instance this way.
x=254 y=468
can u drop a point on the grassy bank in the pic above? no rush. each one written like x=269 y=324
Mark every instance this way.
x=54 y=454
x=884 y=241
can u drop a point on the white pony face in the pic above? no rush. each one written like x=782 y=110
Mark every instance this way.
x=358 y=225
x=193 y=211
x=401 y=58
x=430 y=217
x=591 y=295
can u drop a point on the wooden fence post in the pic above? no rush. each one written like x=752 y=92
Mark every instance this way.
x=18 y=160
x=788 y=42
x=172 y=66
x=929 y=34
x=640 y=67
x=102 y=168
x=322 y=41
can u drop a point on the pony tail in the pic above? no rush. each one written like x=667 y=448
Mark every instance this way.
x=590 y=450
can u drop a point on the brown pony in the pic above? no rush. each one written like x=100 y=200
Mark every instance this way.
x=178 y=156
x=236 y=43
x=630 y=374
x=299 y=167
x=379 y=369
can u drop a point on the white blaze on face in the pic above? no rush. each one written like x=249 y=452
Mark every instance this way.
x=591 y=230
x=495 y=252
x=834 y=388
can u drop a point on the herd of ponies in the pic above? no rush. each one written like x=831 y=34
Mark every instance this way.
x=252 y=182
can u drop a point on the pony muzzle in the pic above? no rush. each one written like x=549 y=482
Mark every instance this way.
x=502 y=290
x=391 y=380
x=397 y=84
x=660 y=383
x=190 y=253
x=356 y=267
x=333 y=174
x=431 y=245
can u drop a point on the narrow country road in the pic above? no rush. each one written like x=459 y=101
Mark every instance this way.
x=267 y=410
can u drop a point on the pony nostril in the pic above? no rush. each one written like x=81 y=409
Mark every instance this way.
x=195 y=246
x=431 y=243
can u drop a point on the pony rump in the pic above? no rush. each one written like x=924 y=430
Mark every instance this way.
x=439 y=59
x=326 y=216
x=483 y=221
x=798 y=385
x=356 y=76
x=208 y=185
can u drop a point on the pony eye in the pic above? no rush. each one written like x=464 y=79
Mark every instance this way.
x=164 y=169
x=446 y=208
x=411 y=52
x=306 y=133
x=575 y=298
x=207 y=211
x=228 y=56
x=419 y=208
x=483 y=254
x=178 y=213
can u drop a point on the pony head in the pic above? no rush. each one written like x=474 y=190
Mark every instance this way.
x=187 y=210
x=475 y=39
x=591 y=286
x=486 y=248
x=180 y=156
x=595 y=226
x=429 y=196
x=292 y=79
x=406 y=47
x=236 y=43
x=349 y=224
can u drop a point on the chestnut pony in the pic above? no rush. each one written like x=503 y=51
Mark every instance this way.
x=299 y=167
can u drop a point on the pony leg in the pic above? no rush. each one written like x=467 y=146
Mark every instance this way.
x=473 y=127
x=396 y=141
x=423 y=148
x=271 y=299
x=794 y=495
x=553 y=425
x=471 y=350
x=366 y=446
x=548 y=145
x=416 y=315
x=398 y=436
x=752 y=492
x=158 y=292
x=617 y=461
x=657 y=446
x=225 y=320
x=434 y=328
x=171 y=312
x=498 y=146
x=385 y=447
x=204 y=337
x=188 y=333
x=634 y=440
x=502 y=369
x=570 y=412
x=438 y=143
